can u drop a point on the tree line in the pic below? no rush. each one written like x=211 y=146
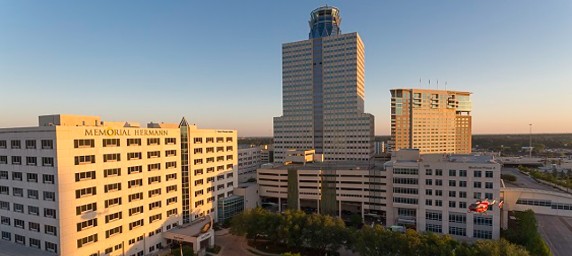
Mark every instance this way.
x=297 y=230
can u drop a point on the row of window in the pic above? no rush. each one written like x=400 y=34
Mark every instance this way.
x=30 y=160
x=30 y=177
x=462 y=183
x=90 y=207
x=31 y=193
x=90 y=143
x=90 y=159
x=436 y=228
x=212 y=140
x=461 y=173
x=32 y=242
x=30 y=144
x=32 y=226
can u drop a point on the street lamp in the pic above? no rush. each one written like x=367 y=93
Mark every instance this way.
x=530 y=141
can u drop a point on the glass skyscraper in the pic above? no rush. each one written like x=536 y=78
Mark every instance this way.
x=323 y=94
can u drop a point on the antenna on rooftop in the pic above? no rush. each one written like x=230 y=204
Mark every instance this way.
x=437 y=84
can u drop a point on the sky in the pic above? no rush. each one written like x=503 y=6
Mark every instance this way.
x=218 y=63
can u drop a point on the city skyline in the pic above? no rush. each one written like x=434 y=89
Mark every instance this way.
x=101 y=60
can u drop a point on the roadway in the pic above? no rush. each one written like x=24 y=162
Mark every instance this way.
x=557 y=232
x=524 y=181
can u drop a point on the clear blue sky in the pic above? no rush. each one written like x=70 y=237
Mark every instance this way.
x=219 y=63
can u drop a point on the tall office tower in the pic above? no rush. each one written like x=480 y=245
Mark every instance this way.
x=323 y=94
x=433 y=121
x=209 y=163
x=75 y=185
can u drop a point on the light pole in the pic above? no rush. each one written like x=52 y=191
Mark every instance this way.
x=530 y=141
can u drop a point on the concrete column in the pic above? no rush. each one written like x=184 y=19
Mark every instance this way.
x=318 y=206
x=362 y=211
x=279 y=204
x=340 y=208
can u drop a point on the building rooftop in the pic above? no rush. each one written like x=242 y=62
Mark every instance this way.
x=338 y=165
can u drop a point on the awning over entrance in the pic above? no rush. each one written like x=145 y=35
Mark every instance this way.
x=200 y=233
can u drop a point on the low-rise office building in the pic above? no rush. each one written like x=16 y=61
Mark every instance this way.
x=425 y=192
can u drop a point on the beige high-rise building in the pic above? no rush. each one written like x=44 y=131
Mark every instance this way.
x=209 y=169
x=433 y=121
x=323 y=94
x=75 y=185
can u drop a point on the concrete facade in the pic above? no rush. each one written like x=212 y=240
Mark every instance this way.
x=425 y=192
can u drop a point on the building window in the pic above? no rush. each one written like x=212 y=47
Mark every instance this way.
x=113 y=231
x=48 y=161
x=113 y=217
x=477 y=184
x=169 y=153
x=489 y=174
x=47 y=144
x=154 y=167
x=32 y=177
x=170 y=141
x=135 y=183
x=155 y=217
x=153 y=154
x=2 y=144
x=112 y=157
x=3 y=175
x=153 y=141
x=111 y=143
x=19 y=208
x=86 y=224
x=458 y=231
x=136 y=224
x=457 y=218
x=86 y=240
x=48 y=178
x=154 y=192
x=16 y=160
x=19 y=239
x=439 y=172
x=112 y=202
x=19 y=223
x=17 y=176
x=4 y=205
x=86 y=208
x=18 y=192
x=154 y=205
x=5 y=221
x=478 y=174
x=79 y=160
x=171 y=188
x=112 y=172
x=452 y=173
x=31 y=160
x=136 y=210
x=30 y=144
x=112 y=187
x=171 y=200
x=33 y=194
x=198 y=140
x=489 y=185
x=136 y=196
x=133 y=142
x=49 y=196
x=51 y=247
x=89 y=175
x=135 y=169
x=3 y=160
x=154 y=179
x=462 y=173
x=6 y=236
x=84 y=192
x=50 y=213
x=171 y=176
x=169 y=165
x=33 y=210
x=452 y=183
x=133 y=156
x=85 y=143
x=15 y=144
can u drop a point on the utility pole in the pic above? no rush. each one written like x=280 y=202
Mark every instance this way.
x=530 y=141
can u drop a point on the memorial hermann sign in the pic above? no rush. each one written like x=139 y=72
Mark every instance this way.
x=125 y=132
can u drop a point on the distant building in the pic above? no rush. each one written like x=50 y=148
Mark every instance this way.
x=424 y=192
x=433 y=121
x=249 y=159
x=323 y=87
